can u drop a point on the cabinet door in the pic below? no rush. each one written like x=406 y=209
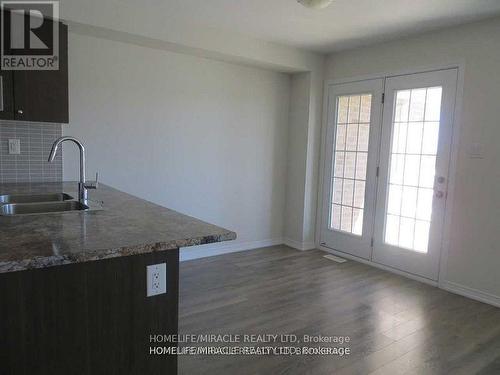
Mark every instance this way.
x=42 y=95
x=6 y=95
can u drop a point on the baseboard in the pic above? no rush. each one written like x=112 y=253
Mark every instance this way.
x=445 y=285
x=299 y=245
x=470 y=293
x=209 y=250
x=203 y=251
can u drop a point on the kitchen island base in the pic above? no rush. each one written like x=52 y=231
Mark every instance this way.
x=87 y=318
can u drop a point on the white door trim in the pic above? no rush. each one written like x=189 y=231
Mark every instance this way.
x=458 y=64
x=456 y=133
x=359 y=245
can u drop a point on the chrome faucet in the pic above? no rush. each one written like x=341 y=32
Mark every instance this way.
x=83 y=186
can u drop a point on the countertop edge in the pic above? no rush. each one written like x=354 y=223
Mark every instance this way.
x=101 y=254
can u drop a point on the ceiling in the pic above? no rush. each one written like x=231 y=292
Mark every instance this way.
x=345 y=24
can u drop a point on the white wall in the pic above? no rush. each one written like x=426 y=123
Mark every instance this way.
x=474 y=258
x=313 y=144
x=303 y=159
x=138 y=25
x=158 y=25
x=203 y=137
x=297 y=156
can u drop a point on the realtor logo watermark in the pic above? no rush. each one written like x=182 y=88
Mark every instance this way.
x=30 y=35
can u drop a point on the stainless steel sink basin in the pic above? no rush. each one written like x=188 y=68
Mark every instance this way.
x=34 y=198
x=13 y=209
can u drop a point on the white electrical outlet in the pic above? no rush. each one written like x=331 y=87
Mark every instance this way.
x=156 y=279
x=14 y=147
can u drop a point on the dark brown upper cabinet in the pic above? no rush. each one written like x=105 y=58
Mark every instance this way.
x=37 y=95
x=6 y=96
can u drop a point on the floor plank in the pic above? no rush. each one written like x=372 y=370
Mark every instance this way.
x=397 y=325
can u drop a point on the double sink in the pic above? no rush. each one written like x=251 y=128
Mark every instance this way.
x=46 y=203
x=31 y=204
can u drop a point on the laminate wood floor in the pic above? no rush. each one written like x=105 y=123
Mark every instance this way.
x=396 y=325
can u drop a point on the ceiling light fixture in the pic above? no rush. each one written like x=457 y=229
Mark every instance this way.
x=315 y=4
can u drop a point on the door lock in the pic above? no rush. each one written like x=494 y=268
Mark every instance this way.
x=439 y=194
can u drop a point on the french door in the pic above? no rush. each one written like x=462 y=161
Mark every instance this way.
x=353 y=141
x=387 y=160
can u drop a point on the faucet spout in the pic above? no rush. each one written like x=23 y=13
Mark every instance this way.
x=82 y=186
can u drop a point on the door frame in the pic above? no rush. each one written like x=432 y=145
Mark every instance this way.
x=375 y=88
x=455 y=141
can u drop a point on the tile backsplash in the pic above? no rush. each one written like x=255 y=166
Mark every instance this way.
x=36 y=141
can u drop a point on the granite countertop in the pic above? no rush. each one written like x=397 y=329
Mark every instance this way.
x=126 y=226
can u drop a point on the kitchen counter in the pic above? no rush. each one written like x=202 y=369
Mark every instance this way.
x=126 y=226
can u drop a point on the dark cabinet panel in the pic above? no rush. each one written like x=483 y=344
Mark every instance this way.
x=42 y=95
x=6 y=95
x=87 y=318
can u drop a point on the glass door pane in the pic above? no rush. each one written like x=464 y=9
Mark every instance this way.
x=350 y=158
x=412 y=167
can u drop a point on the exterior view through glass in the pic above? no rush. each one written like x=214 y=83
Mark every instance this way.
x=350 y=163
x=415 y=134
